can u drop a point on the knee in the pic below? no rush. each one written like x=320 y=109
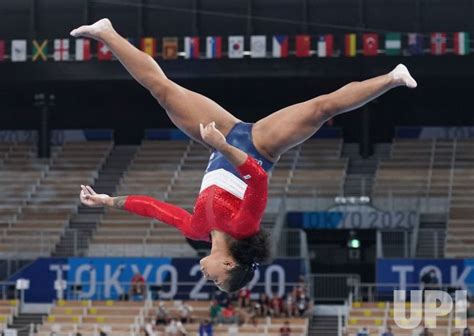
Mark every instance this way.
x=161 y=90
x=323 y=109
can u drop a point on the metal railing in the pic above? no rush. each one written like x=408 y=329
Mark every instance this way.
x=278 y=227
x=332 y=287
x=8 y=291
x=394 y=244
x=373 y=292
x=435 y=248
x=178 y=170
x=10 y=266
x=293 y=243
x=163 y=290
x=142 y=250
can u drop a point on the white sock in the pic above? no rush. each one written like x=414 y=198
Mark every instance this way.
x=401 y=73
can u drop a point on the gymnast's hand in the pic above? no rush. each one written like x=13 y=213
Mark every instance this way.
x=212 y=136
x=91 y=199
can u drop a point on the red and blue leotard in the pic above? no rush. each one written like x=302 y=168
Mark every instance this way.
x=228 y=203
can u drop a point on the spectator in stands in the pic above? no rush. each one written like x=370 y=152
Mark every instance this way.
x=161 y=314
x=243 y=298
x=289 y=306
x=388 y=332
x=175 y=328
x=229 y=315
x=222 y=298
x=263 y=305
x=215 y=311
x=276 y=305
x=247 y=315
x=301 y=287
x=466 y=332
x=185 y=312
x=363 y=332
x=302 y=304
x=138 y=287
x=429 y=281
x=285 y=330
x=205 y=328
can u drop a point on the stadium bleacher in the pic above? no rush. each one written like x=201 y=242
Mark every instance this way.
x=8 y=309
x=125 y=317
x=41 y=195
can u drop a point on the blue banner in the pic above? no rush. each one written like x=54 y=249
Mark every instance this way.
x=357 y=219
x=42 y=273
x=109 y=278
x=410 y=273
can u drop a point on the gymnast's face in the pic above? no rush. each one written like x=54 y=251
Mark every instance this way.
x=216 y=267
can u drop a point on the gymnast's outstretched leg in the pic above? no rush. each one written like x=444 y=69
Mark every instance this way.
x=292 y=125
x=187 y=109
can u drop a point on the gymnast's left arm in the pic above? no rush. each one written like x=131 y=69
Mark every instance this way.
x=255 y=199
x=213 y=137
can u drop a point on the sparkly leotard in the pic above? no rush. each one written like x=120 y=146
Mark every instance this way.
x=232 y=199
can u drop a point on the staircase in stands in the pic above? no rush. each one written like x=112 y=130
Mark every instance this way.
x=22 y=323
x=360 y=172
x=323 y=326
x=84 y=223
x=431 y=236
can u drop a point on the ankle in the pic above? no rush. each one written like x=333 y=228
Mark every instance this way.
x=106 y=35
x=393 y=80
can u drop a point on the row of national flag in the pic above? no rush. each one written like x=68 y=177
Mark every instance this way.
x=238 y=46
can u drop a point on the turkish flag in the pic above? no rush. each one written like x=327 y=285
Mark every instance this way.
x=371 y=44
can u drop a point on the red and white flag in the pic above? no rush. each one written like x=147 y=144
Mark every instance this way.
x=371 y=44
x=438 y=43
x=103 y=52
x=83 y=49
x=213 y=47
x=236 y=47
x=326 y=45
x=191 y=47
x=61 y=49
x=280 y=46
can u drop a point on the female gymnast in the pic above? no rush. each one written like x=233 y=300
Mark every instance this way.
x=233 y=194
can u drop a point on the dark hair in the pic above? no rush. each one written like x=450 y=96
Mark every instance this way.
x=247 y=253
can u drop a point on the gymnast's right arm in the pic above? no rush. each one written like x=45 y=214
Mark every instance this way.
x=140 y=205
